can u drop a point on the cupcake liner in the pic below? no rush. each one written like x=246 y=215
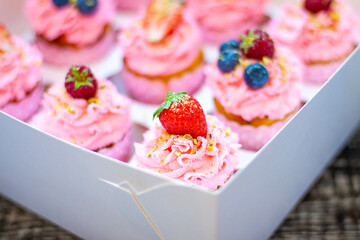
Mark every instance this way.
x=133 y=5
x=320 y=73
x=119 y=150
x=68 y=55
x=253 y=138
x=154 y=91
x=26 y=107
x=216 y=37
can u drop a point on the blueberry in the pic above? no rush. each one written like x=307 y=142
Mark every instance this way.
x=86 y=7
x=256 y=76
x=228 y=60
x=231 y=44
x=60 y=3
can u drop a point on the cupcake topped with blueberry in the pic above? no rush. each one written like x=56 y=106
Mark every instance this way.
x=88 y=112
x=256 y=86
x=187 y=145
x=72 y=31
x=321 y=32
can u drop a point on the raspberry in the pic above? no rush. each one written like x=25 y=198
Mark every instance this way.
x=80 y=82
x=257 y=44
x=316 y=6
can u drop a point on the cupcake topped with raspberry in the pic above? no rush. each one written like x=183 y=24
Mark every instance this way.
x=20 y=76
x=72 y=31
x=321 y=32
x=188 y=145
x=88 y=112
x=162 y=52
x=256 y=87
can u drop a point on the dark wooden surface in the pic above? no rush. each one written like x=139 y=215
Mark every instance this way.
x=330 y=211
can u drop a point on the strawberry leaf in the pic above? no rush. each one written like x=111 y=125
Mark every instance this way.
x=247 y=41
x=171 y=97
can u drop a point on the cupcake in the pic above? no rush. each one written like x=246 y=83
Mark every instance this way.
x=321 y=33
x=256 y=87
x=222 y=20
x=87 y=112
x=72 y=32
x=161 y=53
x=188 y=145
x=20 y=76
x=133 y=5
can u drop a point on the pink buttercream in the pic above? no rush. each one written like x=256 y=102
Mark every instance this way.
x=90 y=124
x=20 y=71
x=52 y=22
x=207 y=162
x=171 y=55
x=321 y=37
x=154 y=91
x=221 y=20
x=280 y=96
x=250 y=137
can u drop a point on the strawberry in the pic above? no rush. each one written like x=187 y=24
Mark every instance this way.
x=257 y=44
x=80 y=82
x=182 y=114
x=161 y=18
x=316 y=6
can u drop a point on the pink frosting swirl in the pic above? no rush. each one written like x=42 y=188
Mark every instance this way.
x=219 y=14
x=321 y=37
x=171 y=55
x=20 y=71
x=67 y=22
x=279 y=97
x=205 y=161
x=91 y=124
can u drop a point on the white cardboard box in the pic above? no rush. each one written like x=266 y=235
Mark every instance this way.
x=97 y=197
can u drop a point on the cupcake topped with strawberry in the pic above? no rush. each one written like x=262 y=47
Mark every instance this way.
x=88 y=112
x=20 y=76
x=256 y=86
x=187 y=145
x=72 y=31
x=321 y=32
x=162 y=52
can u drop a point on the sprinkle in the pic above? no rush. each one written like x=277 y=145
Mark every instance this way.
x=206 y=172
x=188 y=136
x=151 y=152
x=177 y=153
x=102 y=86
x=227 y=131
x=220 y=150
x=70 y=109
x=38 y=63
x=94 y=100
x=213 y=165
x=214 y=126
x=195 y=141
x=210 y=148
x=335 y=16
x=192 y=151
x=162 y=162
x=266 y=60
x=160 y=171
